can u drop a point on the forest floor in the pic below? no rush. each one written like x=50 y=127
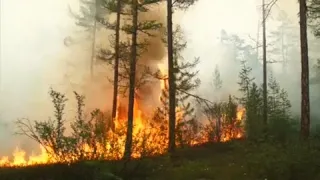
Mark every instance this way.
x=241 y=160
x=207 y=162
x=224 y=161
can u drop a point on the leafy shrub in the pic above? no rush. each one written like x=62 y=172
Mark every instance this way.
x=291 y=162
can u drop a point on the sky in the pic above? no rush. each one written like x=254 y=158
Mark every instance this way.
x=32 y=34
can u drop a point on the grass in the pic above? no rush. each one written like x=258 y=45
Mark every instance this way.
x=237 y=160
x=209 y=161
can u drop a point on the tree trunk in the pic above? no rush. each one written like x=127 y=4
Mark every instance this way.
x=116 y=67
x=128 y=145
x=172 y=88
x=264 y=47
x=218 y=129
x=305 y=104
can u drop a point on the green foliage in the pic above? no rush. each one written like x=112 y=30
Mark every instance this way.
x=77 y=171
x=186 y=81
x=279 y=115
x=183 y=4
x=51 y=133
x=279 y=119
x=245 y=82
x=254 y=105
x=283 y=161
x=284 y=43
x=279 y=110
x=251 y=100
x=242 y=52
x=214 y=115
x=102 y=171
x=315 y=80
x=89 y=11
x=223 y=122
x=313 y=16
x=145 y=31
x=234 y=160
x=217 y=82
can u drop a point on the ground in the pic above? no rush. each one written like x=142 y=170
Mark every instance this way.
x=225 y=161
x=211 y=161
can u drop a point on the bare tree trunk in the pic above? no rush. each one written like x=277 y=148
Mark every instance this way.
x=128 y=145
x=264 y=47
x=116 y=67
x=305 y=104
x=218 y=128
x=172 y=88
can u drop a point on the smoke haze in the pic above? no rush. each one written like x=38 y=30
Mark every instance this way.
x=34 y=58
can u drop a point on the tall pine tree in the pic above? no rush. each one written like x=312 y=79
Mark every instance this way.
x=305 y=104
x=186 y=82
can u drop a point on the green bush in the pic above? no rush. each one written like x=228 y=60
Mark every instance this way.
x=293 y=161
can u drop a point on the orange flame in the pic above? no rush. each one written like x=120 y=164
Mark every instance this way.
x=150 y=138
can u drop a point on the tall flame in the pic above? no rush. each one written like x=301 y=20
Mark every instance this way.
x=149 y=138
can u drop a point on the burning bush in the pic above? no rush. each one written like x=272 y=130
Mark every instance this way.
x=225 y=121
x=91 y=139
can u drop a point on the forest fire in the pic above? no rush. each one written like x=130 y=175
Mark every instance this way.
x=149 y=139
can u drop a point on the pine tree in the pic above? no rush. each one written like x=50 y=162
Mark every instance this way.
x=120 y=54
x=230 y=123
x=116 y=65
x=172 y=79
x=245 y=82
x=182 y=4
x=252 y=101
x=127 y=70
x=273 y=95
x=215 y=115
x=136 y=49
x=90 y=10
x=115 y=6
x=147 y=28
x=264 y=55
x=186 y=82
x=242 y=51
x=134 y=31
x=279 y=110
x=217 y=82
x=283 y=44
x=316 y=77
x=305 y=104
x=313 y=15
x=254 y=113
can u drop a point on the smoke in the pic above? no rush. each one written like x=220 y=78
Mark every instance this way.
x=35 y=59
x=66 y=69
x=243 y=19
x=99 y=91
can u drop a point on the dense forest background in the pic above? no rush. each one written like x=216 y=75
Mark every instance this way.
x=144 y=85
x=32 y=94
